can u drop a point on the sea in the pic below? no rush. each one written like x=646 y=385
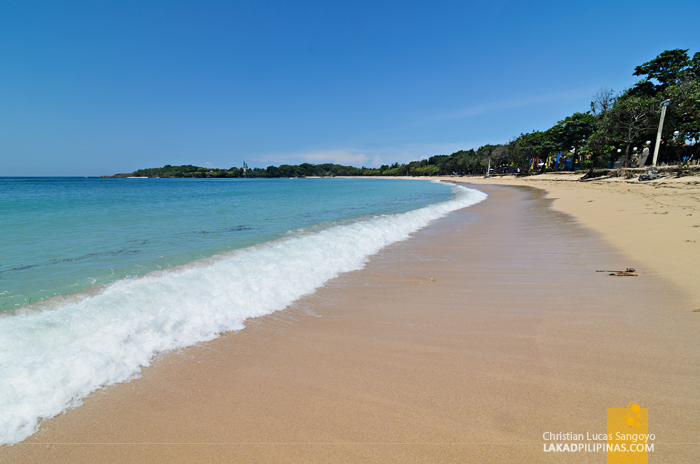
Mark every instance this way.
x=98 y=276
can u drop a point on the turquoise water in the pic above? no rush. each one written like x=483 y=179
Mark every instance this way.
x=229 y=250
x=60 y=236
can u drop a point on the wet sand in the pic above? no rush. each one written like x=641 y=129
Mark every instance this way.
x=489 y=326
x=655 y=223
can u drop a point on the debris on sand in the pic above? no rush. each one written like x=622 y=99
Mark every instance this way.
x=630 y=271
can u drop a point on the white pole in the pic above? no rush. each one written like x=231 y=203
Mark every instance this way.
x=664 y=104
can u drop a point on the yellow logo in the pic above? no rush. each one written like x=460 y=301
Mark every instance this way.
x=628 y=435
x=634 y=416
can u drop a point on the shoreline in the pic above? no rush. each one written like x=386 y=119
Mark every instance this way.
x=404 y=350
x=122 y=329
x=655 y=224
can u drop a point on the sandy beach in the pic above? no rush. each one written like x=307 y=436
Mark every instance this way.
x=464 y=343
x=656 y=224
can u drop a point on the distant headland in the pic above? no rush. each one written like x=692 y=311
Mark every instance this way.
x=620 y=130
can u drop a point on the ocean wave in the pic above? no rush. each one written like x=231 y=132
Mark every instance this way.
x=50 y=360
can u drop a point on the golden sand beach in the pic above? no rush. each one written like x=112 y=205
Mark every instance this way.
x=655 y=223
x=465 y=343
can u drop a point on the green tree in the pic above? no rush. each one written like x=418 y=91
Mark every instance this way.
x=518 y=158
x=665 y=69
x=538 y=144
x=572 y=132
x=684 y=114
x=631 y=120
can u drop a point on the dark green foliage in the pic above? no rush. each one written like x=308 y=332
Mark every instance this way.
x=666 y=69
x=169 y=171
x=572 y=132
x=285 y=170
x=631 y=120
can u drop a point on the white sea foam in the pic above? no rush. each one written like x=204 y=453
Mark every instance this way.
x=49 y=360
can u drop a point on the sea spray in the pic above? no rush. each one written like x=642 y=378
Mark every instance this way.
x=50 y=360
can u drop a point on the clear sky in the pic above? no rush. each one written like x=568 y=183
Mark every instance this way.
x=97 y=88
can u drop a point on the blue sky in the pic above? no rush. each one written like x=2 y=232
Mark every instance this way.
x=94 y=88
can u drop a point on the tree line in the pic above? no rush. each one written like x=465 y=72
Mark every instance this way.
x=616 y=127
x=284 y=170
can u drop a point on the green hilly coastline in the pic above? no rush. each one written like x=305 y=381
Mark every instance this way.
x=617 y=131
x=285 y=170
x=462 y=162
